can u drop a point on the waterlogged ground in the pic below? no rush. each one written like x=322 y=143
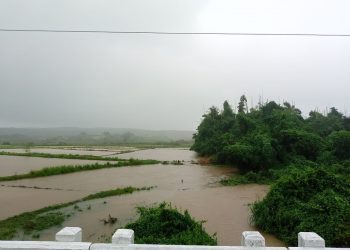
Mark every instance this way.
x=11 y=165
x=162 y=154
x=74 y=150
x=189 y=186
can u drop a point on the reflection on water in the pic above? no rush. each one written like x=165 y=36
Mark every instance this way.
x=189 y=186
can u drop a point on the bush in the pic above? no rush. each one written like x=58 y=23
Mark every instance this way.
x=310 y=200
x=300 y=142
x=254 y=153
x=340 y=143
x=165 y=225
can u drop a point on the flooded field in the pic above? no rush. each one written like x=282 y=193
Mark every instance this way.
x=11 y=165
x=189 y=186
x=161 y=154
x=75 y=151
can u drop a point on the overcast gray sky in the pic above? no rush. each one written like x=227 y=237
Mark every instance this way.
x=166 y=82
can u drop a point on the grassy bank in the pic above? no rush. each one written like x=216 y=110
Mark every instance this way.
x=44 y=218
x=50 y=171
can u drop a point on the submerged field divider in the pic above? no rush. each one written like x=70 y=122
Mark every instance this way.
x=70 y=238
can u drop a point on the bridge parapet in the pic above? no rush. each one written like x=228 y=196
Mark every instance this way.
x=69 y=238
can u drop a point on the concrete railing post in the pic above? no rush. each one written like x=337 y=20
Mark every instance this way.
x=69 y=234
x=310 y=239
x=123 y=236
x=252 y=239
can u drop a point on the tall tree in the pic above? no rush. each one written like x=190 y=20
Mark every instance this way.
x=242 y=105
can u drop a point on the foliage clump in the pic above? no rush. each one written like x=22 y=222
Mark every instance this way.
x=307 y=157
x=164 y=224
x=312 y=200
x=271 y=135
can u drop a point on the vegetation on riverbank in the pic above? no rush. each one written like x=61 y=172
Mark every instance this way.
x=44 y=218
x=310 y=200
x=164 y=224
x=50 y=171
x=274 y=144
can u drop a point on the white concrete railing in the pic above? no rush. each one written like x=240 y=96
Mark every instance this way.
x=69 y=238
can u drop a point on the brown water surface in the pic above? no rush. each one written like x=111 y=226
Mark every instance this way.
x=223 y=208
x=189 y=186
x=161 y=154
x=11 y=165
x=77 y=151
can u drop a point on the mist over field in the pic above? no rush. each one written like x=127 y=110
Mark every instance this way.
x=90 y=136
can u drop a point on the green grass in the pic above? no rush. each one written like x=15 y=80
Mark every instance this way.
x=49 y=171
x=47 y=217
x=114 y=192
x=44 y=221
x=9 y=146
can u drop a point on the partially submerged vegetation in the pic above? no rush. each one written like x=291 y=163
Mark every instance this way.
x=164 y=224
x=50 y=171
x=44 y=218
x=114 y=192
x=274 y=143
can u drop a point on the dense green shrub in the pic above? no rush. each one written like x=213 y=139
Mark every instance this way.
x=165 y=225
x=310 y=200
x=252 y=153
x=299 y=142
x=340 y=144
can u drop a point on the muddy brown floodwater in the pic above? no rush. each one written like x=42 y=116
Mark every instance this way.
x=11 y=165
x=74 y=151
x=188 y=186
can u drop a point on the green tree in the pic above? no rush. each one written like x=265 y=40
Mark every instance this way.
x=242 y=105
x=340 y=144
x=299 y=142
x=207 y=139
x=253 y=153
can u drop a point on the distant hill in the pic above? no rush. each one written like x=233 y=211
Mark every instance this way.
x=98 y=136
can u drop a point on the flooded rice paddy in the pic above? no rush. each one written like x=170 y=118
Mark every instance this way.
x=74 y=150
x=11 y=165
x=189 y=186
x=162 y=154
